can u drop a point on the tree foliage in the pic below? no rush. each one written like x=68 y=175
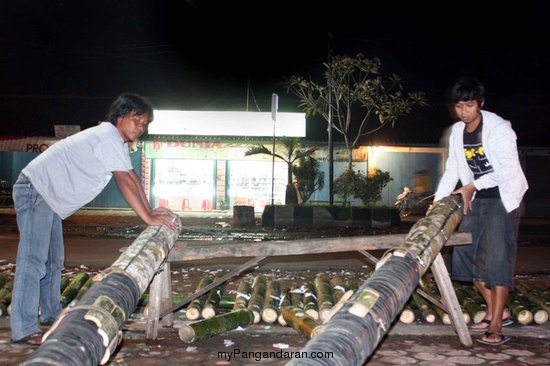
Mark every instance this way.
x=368 y=188
x=300 y=163
x=362 y=100
x=308 y=176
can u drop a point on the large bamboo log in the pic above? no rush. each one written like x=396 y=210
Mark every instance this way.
x=353 y=333
x=206 y=328
x=88 y=333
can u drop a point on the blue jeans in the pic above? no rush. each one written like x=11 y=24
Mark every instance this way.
x=492 y=255
x=39 y=261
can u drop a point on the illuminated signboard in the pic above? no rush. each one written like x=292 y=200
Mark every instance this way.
x=209 y=123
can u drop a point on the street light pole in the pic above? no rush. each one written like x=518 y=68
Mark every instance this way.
x=330 y=145
x=274 y=107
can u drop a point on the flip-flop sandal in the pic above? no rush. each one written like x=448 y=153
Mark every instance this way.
x=500 y=340
x=505 y=322
x=475 y=328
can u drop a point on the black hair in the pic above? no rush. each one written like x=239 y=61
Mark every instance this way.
x=127 y=103
x=467 y=88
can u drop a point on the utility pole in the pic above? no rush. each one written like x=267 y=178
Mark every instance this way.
x=274 y=108
x=330 y=146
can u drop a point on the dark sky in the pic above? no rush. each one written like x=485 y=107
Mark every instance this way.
x=63 y=62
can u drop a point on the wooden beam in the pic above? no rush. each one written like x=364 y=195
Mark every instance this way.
x=192 y=251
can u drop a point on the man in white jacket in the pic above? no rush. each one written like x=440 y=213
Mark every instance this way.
x=483 y=158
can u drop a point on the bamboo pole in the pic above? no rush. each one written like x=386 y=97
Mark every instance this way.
x=88 y=333
x=354 y=331
x=310 y=301
x=206 y=328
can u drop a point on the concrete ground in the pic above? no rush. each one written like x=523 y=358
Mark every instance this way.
x=94 y=239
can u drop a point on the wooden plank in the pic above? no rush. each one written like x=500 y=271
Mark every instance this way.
x=153 y=307
x=166 y=295
x=188 y=251
x=448 y=294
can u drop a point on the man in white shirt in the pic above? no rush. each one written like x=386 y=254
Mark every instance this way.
x=483 y=157
x=55 y=185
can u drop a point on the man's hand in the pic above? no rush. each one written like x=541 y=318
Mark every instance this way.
x=467 y=193
x=165 y=217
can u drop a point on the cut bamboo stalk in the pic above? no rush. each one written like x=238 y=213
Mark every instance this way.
x=3 y=279
x=345 y=297
x=518 y=308
x=310 y=301
x=65 y=280
x=193 y=311
x=324 y=296
x=218 y=324
x=428 y=314
x=212 y=301
x=302 y=322
x=297 y=296
x=72 y=289
x=338 y=287
x=471 y=301
x=256 y=301
x=243 y=295
x=407 y=315
x=270 y=310
x=227 y=302
x=285 y=302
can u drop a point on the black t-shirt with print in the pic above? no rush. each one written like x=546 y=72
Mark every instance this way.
x=477 y=160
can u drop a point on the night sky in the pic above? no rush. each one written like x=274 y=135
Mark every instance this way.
x=63 y=62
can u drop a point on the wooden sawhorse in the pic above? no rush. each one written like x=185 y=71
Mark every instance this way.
x=160 y=308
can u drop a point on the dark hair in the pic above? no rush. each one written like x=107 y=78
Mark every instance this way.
x=467 y=88
x=127 y=103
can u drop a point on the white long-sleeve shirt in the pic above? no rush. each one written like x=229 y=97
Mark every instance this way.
x=500 y=147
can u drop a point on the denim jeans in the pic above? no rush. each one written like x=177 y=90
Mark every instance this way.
x=492 y=255
x=40 y=257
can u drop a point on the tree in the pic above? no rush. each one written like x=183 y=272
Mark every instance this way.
x=368 y=188
x=362 y=100
x=291 y=156
x=309 y=177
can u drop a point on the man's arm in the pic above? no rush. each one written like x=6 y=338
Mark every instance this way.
x=129 y=185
